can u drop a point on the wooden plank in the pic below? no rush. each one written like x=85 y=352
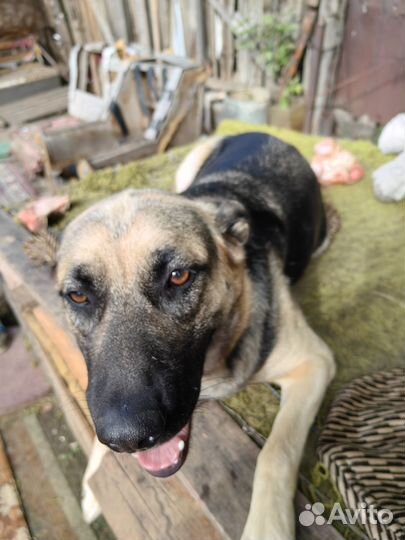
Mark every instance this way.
x=140 y=18
x=191 y=126
x=154 y=16
x=67 y=146
x=99 y=12
x=332 y=17
x=12 y=521
x=132 y=149
x=210 y=15
x=291 y=69
x=32 y=294
x=183 y=101
x=56 y=344
x=57 y=20
x=190 y=26
x=139 y=506
x=35 y=107
x=115 y=12
x=249 y=70
x=228 y=51
x=58 y=483
x=165 y=22
x=218 y=473
x=89 y=23
x=68 y=359
x=201 y=43
x=41 y=308
x=27 y=80
x=74 y=20
x=243 y=56
x=130 y=104
x=19 y=300
x=311 y=72
x=221 y=462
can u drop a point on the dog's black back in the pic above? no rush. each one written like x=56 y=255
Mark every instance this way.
x=278 y=190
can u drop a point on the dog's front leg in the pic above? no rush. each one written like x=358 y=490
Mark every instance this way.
x=90 y=507
x=271 y=515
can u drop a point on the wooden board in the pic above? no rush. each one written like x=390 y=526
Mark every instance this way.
x=132 y=149
x=67 y=146
x=220 y=464
x=138 y=506
x=21 y=301
x=185 y=99
x=27 y=80
x=35 y=107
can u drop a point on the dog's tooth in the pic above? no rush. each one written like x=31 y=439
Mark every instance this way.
x=181 y=445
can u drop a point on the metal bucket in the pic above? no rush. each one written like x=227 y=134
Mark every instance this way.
x=250 y=105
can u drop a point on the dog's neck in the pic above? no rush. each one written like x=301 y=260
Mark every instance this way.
x=241 y=345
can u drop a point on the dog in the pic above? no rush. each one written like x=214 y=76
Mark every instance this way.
x=180 y=297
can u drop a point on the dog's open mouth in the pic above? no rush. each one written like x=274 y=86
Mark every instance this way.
x=167 y=458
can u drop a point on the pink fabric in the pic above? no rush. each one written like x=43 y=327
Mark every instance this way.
x=34 y=216
x=334 y=165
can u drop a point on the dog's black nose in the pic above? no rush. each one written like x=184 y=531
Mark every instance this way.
x=124 y=433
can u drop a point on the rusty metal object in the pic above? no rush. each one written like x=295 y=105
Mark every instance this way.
x=371 y=73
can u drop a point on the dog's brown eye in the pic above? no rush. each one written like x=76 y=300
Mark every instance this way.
x=179 y=277
x=78 y=298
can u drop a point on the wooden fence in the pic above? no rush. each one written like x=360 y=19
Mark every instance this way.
x=200 y=29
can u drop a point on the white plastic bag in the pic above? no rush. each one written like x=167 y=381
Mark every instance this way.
x=389 y=180
x=83 y=104
x=392 y=137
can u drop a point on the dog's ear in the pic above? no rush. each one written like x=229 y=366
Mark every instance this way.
x=42 y=248
x=232 y=222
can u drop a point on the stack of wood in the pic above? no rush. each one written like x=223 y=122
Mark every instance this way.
x=27 y=71
x=156 y=104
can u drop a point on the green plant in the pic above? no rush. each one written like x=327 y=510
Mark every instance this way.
x=272 y=39
x=293 y=89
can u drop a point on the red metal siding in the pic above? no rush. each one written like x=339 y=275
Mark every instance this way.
x=371 y=73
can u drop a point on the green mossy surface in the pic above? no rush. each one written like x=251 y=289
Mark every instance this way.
x=156 y=172
x=353 y=295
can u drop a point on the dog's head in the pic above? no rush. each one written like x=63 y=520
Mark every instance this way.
x=150 y=282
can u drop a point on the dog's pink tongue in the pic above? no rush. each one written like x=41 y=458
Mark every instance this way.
x=166 y=458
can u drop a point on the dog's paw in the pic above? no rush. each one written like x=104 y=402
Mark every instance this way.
x=266 y=527
x=90 y=507
x=257 y=534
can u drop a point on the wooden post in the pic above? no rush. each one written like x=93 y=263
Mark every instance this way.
x=201 y=42
x=332 y=17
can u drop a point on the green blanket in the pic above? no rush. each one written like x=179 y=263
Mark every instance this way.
x=353 y=295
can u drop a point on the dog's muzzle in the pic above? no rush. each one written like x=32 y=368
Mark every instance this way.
x=141 y=435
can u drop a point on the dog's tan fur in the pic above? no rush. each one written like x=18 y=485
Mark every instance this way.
x=188 y=169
